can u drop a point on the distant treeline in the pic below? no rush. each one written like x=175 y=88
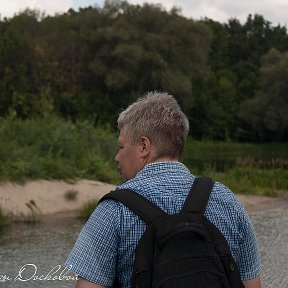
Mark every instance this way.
x=230 y=78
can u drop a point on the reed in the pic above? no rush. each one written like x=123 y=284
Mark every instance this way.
x=249 y=180
x=246 y=168
x=34 y=212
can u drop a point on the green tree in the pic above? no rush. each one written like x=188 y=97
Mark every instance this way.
x=267 y=111
x=15 y=68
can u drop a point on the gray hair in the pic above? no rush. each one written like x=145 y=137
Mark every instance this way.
x=158 y=117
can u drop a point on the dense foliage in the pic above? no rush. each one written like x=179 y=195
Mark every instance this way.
x=230 y=78
x=52 y=148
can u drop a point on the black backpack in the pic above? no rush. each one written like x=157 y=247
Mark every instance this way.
x=181 y=250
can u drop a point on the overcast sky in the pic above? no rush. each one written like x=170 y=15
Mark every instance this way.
x=274 y=11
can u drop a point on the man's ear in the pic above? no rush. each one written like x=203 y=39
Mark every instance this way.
x=145 y=146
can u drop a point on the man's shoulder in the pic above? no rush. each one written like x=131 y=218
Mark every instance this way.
x=224 y=200
x=224 y=193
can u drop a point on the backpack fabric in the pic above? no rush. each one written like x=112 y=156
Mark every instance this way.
x=183 y=250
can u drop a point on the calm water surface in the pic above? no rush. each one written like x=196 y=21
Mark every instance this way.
x=45 y=245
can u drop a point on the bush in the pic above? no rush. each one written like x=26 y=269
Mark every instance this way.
x=71 y=195
x=53 y=148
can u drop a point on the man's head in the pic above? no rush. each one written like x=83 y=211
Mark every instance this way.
x=152 y=128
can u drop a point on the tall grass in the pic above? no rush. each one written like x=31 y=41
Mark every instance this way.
x=53 y=148
x=246 y=168
x=248 y=180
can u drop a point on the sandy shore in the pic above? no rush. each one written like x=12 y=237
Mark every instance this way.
x=49 y=197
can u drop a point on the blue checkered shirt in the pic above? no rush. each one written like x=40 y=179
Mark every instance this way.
x=106 y=244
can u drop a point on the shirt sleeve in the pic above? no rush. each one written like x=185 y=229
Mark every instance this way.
x=248 y=258
x=94 y=254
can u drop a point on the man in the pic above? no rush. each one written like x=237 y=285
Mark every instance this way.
x=152 y=137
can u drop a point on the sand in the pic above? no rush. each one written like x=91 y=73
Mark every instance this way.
x=49 y=197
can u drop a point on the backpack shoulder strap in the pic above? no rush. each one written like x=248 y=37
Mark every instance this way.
x=198 y=196
x=148 y=211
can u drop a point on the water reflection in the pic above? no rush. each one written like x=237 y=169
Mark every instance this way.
x=37 y=248
x=47 y=245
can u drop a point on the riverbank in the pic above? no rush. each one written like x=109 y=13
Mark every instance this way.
x=50 y=197
x=61 y=198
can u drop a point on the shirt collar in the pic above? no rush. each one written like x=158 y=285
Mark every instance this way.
x=162 y=167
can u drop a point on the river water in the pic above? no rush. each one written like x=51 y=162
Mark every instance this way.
x=38 y=248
